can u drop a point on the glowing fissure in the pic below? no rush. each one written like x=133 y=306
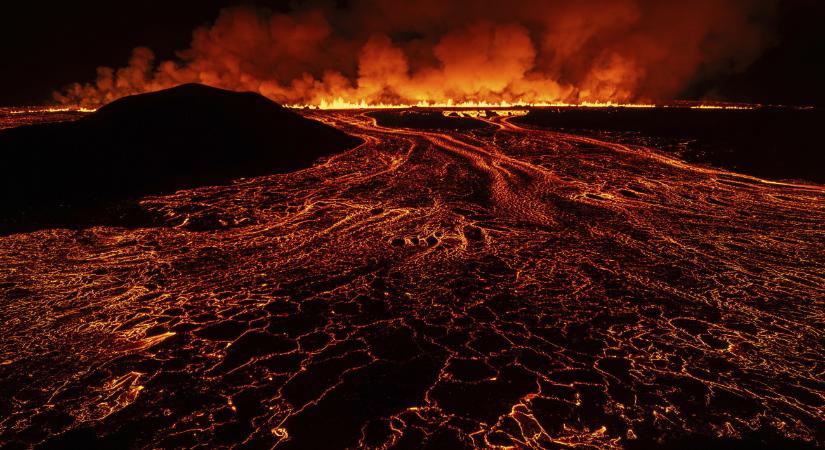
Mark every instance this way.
x=341 y=104
x=50 y=109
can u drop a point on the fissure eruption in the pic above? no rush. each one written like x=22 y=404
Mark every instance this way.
x=380 y=52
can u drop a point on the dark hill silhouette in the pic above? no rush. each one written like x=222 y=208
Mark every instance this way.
x=187 y=136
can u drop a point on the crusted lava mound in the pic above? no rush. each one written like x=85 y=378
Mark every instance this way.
x=191 y=135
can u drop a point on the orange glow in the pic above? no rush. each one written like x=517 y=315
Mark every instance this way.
x=394 y=55
x=42 y=110
x=722 y=107
x=341 y=103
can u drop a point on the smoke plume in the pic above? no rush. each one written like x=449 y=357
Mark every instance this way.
x=398 y=52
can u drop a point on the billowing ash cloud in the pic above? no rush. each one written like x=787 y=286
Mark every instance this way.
x=391 y=51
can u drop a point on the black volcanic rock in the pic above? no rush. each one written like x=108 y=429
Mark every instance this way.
x=183 y=137
x=772 y=142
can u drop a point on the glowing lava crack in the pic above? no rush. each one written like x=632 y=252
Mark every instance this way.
x=498 y=286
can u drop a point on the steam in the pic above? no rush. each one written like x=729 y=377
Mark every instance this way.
x=390 y=51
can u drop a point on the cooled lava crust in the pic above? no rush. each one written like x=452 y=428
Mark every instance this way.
x=501 y=286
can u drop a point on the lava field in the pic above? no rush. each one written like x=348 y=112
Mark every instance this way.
x=499 y=286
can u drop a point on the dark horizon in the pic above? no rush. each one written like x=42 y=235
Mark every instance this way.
x=48 y=48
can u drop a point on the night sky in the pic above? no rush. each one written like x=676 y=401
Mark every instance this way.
x=47 y=45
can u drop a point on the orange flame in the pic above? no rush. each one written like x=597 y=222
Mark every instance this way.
x=340 y=103
x=385 y=53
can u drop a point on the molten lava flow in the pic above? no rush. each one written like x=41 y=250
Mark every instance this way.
x=497 y=287
x=13 y=117
x=49 y=110
x=722 y=107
